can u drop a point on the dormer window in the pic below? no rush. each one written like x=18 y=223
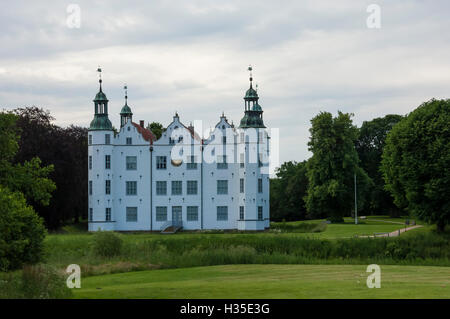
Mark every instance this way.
x=129 y=141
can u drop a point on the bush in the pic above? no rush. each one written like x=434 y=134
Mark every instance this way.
x=22 y=232
x=34 y=282
x=107 y=244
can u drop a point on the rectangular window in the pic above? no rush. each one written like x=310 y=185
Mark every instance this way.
x=107 y=161
x=129 y=141
x=241 y=185
x=242 y=159
x=177 y=188
x=107 y=139
x=224 y=140
x=222 y=187
x=241 y=212
x=161 y=188
x=90 y=162
x=192 y=164
x=192 y=187
x=260 y=137
x=131 y=188
x=91 y=214
x=242 y=137
x=108 y=187
x=90 y=187
x=192 y=213
x=161 y=162
x=260 y=185
x=260 y=213
x=131 y=214
x=161 y=213
x=222 y=162
x=222 y=212
x=177 y=213
x=108 y=214
x=131 y=163
x=90 y=139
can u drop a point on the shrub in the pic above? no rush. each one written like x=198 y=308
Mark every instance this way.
x=107 y=244
x=34 y=282
x=22 y=232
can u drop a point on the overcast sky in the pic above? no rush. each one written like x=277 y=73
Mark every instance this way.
x=192 y=57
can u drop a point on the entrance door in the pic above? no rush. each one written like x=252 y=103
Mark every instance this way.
x=176 y=214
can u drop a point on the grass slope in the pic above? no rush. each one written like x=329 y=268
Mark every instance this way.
x=270 y=281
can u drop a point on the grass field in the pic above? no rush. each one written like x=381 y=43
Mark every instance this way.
x=270 y=281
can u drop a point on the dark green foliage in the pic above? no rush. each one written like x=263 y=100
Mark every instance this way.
x=370 y=144
x=21 y=231
x=107 y=244
x=34 y=282
x=416 y=162
x=287 y=191
x=66 y=150
x=332 y=166
x=156 y=128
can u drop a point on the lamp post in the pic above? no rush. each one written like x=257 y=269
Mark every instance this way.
x=356 y=204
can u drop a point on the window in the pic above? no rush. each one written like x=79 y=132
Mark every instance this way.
x=108 y=187
x=224 y=140
x=177 y=213
x=129 y=141
x=192 y=187
x=192 y=164
x=90 y=187
x=192 y=213
x=171 y=141
x=161 y=213
x=161 y=162
x=90 y=162
x=131 y=163
x=107 y=139
x=241 y=185
x=108 y=214
x=90 y=139
x=107 y=161
x=260 y=213
x=242 y=137
x=260 y=137
x=222 y=187
x=241 y=212
x=222 y=212
x=91 y=214
x=242 y=159
x=177 y=188
x=180 y=139
x=131 y=188
x=222 y=162
x=131 y=214
x=260 y=185
x=161 y=188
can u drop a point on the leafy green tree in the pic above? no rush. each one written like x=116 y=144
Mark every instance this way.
x=370 y=144
x=156 y=128
x=332 y=166
x=416 y=162
x=22 y=231
x=287 y=191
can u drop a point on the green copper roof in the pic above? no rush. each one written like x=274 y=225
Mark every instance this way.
x=251 y=94
x=100 y=96
x=125 y=110
x=100 y=123
x=257 y=107
x=252 y=119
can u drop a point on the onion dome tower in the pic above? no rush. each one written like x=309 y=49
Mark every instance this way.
x=125 y=112
x=253 y=111
x=101 y=121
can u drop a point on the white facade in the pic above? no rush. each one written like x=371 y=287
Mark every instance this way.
x=138 y=183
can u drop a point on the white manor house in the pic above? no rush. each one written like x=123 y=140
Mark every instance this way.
x=140 y=183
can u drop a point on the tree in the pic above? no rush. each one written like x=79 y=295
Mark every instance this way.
x=66 y=150
x=156 y=128
x=287 y=191
x=332 y=166
x=416 y=162
x=370 y=144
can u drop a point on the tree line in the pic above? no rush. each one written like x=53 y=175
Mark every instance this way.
x=401 y=164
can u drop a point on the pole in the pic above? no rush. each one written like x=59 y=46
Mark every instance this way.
x=356 y=204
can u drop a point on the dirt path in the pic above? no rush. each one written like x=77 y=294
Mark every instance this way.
x=395 y=233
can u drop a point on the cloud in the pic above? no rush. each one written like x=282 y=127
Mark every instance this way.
x=191 y=57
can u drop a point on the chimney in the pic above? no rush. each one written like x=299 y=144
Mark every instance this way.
x=141 y=123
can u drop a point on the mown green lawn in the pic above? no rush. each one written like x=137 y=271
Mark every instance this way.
x=270 y=281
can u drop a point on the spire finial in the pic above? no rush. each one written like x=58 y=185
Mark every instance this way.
x=99 y=70
x=125 y=87
x=250 y=69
